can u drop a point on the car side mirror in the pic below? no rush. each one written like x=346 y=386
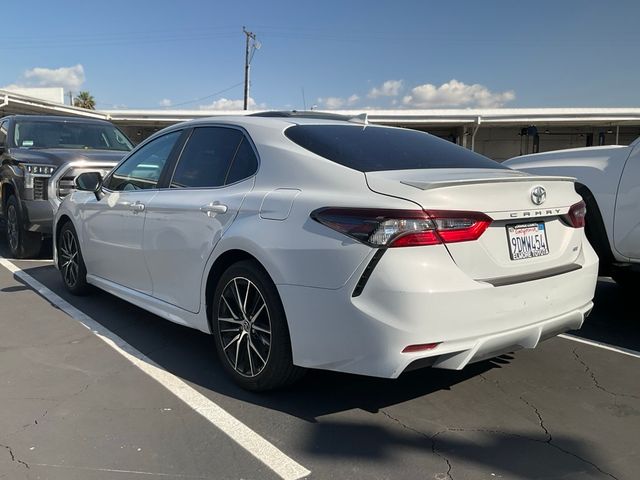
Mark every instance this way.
x=90 y=182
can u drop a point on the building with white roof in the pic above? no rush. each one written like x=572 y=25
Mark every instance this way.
x=498 y=133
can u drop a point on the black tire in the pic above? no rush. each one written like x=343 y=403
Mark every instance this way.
x=22 y=243
x=70 y=261
x=595 y=231
x=626 y=278
x=246 y=306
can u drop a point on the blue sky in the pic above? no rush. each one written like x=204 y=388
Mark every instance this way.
x=344 y=54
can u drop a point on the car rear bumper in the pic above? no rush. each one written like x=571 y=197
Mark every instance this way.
x=408 y=302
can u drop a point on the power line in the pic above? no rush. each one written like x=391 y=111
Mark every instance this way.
x=205 y=97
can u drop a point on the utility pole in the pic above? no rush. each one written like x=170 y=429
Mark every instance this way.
x=248 y=56
x=70 y=98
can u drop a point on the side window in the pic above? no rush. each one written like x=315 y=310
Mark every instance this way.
x=206 y=158
x=144 y=167
x=3 y=133
x=244 y=164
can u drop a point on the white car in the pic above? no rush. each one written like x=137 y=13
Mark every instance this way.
x=608 y=178
x=300 y=241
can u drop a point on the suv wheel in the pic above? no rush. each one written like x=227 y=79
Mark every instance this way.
x=250 y=329
x=23 y=244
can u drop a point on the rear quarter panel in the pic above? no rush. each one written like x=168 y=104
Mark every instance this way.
x=598 y=168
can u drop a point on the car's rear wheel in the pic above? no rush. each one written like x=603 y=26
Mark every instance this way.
x=70 y=261
x=23 y=244
x=250 y=329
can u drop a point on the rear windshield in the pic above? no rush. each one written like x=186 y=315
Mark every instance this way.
x=371 y=148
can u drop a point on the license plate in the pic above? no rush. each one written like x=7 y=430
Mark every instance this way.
x=527 y=240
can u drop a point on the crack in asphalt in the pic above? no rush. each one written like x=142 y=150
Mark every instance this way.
x=540 y=419
x=549 y=441
x=597 y=384
x=435 y=452
x=58 y=402
x=432 y=440
x=13 y=457
x=59 y=398
x=35 y=421
x=549 y=438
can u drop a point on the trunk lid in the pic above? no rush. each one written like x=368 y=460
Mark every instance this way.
x=506 y=197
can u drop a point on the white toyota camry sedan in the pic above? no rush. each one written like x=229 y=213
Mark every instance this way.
x=308 y=241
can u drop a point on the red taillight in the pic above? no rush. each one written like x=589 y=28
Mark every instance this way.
x=577 y=214
x=429 y=237
x=403 y=228
x=455 y=226
x=420 y=347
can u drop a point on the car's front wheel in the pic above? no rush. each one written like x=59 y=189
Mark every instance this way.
x=70 y=261
x=22 y=243
x=250 y=329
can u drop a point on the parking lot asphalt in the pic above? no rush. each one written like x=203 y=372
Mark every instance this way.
x=74 y=408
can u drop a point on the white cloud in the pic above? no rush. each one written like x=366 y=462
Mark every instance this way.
x=70 y=78
x=352 y=99
x=456 y=94
x=12 y=86
x=165 y=102
x=228 y=104
x=333 y=103
x=390 y=88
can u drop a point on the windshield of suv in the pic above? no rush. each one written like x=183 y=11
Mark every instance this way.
x=88 y=136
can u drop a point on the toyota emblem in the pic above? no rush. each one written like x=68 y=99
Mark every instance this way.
x=538 y=195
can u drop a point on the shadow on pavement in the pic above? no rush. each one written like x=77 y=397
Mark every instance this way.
x=519 y=455
x=191 y=355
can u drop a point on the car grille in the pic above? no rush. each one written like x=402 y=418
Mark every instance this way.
x=40 y=188
x=67 y=183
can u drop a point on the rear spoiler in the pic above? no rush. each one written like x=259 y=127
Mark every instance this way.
x=473 y=181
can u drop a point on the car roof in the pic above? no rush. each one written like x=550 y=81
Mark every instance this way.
x=279 y=122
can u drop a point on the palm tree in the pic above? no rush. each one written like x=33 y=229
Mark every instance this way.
x=85 y=100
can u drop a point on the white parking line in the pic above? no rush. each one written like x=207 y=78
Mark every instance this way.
x=605 y=346
x=30 y=260
x=284 y=466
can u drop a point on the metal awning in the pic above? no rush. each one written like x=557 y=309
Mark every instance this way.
x=14 y=103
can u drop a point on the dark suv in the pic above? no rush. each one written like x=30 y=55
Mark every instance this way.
x=40 y=157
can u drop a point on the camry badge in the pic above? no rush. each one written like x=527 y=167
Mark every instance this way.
x=538 y=195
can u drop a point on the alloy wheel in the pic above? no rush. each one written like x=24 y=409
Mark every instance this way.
x=244 y=326
x=68 y=251
x=12 y=228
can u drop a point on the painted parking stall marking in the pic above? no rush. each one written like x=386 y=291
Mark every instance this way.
x=284 y=466
x=605 y=346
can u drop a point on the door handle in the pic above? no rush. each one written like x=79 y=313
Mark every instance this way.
x=137 y=207
x=213 y=208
